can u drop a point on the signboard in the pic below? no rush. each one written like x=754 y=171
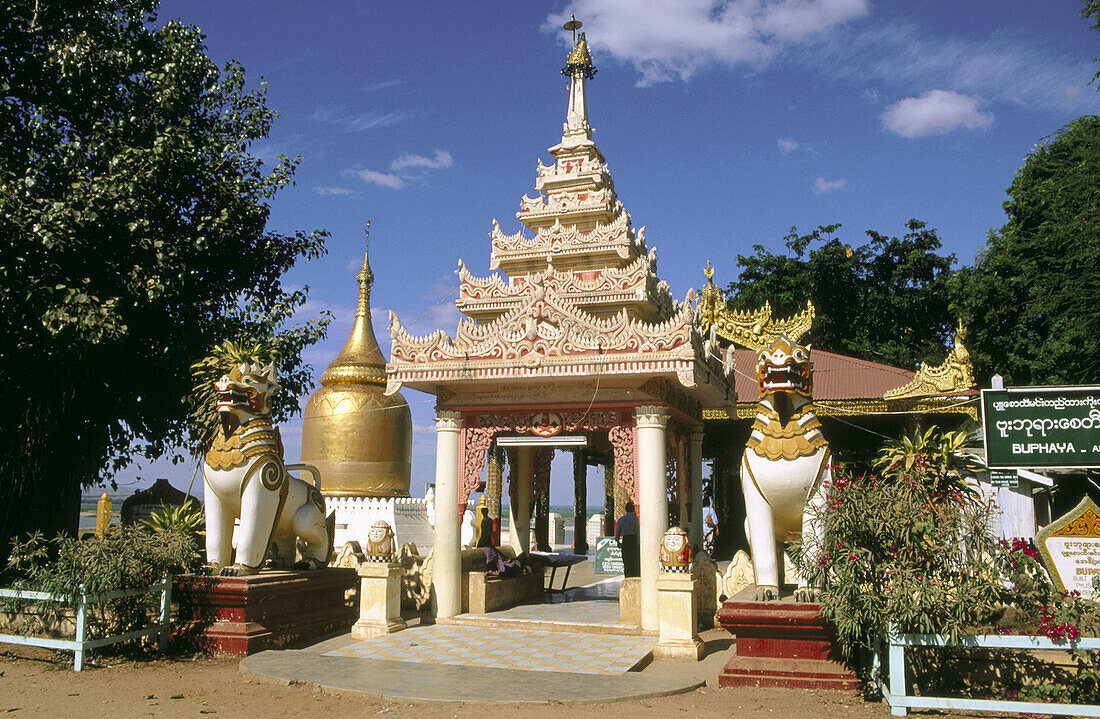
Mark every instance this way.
x=1004 y=478
x=1070 y=548
x=1042 y=427
x=609 y=557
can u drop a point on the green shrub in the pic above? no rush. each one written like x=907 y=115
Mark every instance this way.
x=905 y=547
x=124 y=558
x=187 y=517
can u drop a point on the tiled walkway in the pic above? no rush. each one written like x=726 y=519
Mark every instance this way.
x=584 y=612
x=499 y=648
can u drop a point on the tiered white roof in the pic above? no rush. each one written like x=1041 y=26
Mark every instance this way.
x=578 y=296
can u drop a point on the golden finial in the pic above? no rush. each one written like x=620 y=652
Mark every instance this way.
x=361 y=359
x=365 y=277
x=709 y=272
x=580 y=59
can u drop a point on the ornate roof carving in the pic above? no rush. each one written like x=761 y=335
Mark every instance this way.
x=548 y=335
x=615 y=239
x=954 y=375
x=636 y=282
x=543 y=324
x=752 y=329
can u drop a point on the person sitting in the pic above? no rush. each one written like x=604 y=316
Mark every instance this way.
x=498 y=565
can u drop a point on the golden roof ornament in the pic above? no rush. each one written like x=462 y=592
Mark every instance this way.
x=752 y=329
x=580 y=59
x=955 y=374
x=361 y=360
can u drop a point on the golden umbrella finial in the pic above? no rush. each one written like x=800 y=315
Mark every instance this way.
x=573 y=24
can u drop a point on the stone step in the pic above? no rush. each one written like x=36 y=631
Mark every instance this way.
x=488 y=620
x=794 y=673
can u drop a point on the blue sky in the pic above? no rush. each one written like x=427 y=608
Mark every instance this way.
x=723 y=123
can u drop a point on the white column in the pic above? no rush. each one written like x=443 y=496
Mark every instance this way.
x=519 y=516
x=695 y=461
x=447 y=562
x=653 y=512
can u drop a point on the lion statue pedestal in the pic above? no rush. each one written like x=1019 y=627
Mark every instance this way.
x=239 y=616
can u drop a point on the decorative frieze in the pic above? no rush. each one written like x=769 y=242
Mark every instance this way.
x=482 y=429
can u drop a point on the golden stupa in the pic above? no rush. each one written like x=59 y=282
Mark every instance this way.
x=360 y=439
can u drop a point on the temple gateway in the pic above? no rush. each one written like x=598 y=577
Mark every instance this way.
x=574 y=344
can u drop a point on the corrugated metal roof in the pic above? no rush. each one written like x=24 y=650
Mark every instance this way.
x=836 y=376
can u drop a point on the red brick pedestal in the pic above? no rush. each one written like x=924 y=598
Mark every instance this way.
x=244 y=615
x=781 y=644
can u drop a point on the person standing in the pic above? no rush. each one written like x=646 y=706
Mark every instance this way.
x=710 y=527
x=485 y=525
x=626 y=534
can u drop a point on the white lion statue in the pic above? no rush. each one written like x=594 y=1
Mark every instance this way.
x=785 y=470
x=244 y=476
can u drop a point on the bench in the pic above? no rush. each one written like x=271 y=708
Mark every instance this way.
x=483 y=592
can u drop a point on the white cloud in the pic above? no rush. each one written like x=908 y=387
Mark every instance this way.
x=786 y=145
x=384 y=84
x=668 y=39
x=385 y=179
x=1003 y=67
x=821 y=185
x=332 y=191
x=936 y=112
x=362 y=122
x=442 y=159
x=406 y=168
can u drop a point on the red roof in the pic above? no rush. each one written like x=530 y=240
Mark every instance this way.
x=836 y=376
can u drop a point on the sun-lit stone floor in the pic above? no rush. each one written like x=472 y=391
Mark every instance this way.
x=578 y=612
x=509 y=648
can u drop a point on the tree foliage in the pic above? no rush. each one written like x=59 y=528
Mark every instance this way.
x=1031 y=301
x=133 y=228
x=885 y=301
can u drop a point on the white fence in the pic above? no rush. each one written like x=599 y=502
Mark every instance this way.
x=900 y=702
x=81 y=643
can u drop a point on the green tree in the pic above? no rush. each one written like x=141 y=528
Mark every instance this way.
x=1091 y=9
x=133 y=238
x=1032 y=301
x=885 y=301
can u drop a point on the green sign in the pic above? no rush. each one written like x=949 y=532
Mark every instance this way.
x=1004 y=477
x=609 y=557
x=1042 y=427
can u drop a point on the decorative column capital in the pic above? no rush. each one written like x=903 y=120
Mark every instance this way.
x=651 y=415
x=697 y=436
x=448 y=420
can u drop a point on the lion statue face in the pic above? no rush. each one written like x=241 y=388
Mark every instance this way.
x=246 y=393
x=785 y=367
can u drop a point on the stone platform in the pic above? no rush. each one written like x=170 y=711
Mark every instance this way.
x=240 y=616
x=481 y=674
x=781 y=644
x=585 y=617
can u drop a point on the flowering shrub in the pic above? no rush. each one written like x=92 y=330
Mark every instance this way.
x=911 y=546
x=903 y=547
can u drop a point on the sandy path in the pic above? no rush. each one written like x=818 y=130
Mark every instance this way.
x=33 y=684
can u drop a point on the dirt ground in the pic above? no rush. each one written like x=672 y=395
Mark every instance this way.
x=42 y=685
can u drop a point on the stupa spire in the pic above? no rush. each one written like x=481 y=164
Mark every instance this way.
x=579 y=68
x=361 y=360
